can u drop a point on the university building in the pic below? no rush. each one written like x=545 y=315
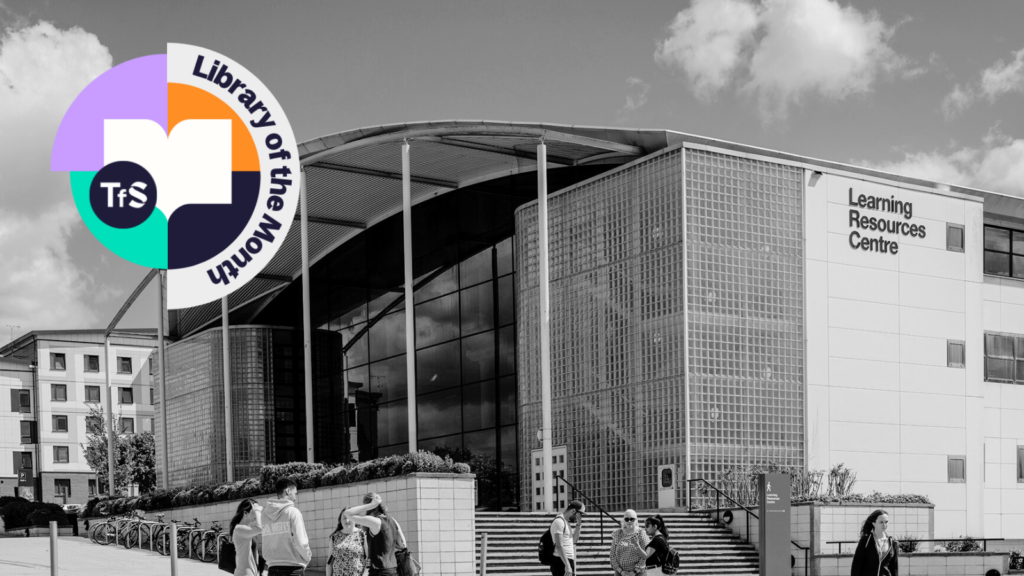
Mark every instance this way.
x=712 y=305
x=52 y=379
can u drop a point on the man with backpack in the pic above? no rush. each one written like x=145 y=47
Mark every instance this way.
x=558 y=544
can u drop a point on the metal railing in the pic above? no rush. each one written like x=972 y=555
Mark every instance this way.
x=719 y=495
x=984 y=541
x=578 y=494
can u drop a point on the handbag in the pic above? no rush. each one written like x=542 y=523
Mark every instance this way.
x=226 y=560
x=407 y=564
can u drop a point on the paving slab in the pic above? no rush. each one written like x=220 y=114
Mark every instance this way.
x=80 y=557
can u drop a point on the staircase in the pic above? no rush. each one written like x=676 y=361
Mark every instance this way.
x=705 y=548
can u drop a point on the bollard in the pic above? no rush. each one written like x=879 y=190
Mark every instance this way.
x=174 y=548
x=53 y=548
x=483 y=554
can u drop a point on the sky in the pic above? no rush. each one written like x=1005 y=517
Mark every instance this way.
x=917 y=87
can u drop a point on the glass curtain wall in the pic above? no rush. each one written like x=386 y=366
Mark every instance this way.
x=464 y=306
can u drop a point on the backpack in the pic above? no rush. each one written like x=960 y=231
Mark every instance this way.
x=671 y=563
x=546 y=548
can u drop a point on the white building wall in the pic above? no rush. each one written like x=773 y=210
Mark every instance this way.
x=881 y=398
x=1004 y=417
x=76 y=378
x=13 y=376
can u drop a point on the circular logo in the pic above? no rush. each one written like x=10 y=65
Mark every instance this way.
x=122 y=195
x=203 y=131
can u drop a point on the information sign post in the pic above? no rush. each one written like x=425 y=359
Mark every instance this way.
x=774 y=512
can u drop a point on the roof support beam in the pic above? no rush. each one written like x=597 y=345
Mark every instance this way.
x=275 y=278
x=383 y=174
x=515 y=153
x=334 y=222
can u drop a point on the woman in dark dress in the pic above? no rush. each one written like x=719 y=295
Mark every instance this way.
x=657 y=548
x=877 y=553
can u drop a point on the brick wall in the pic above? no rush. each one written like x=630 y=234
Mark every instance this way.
x=435 y=511
x=79 y=486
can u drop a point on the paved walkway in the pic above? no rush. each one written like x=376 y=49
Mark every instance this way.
x=80 y=557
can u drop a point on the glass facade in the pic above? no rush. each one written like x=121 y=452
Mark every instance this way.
x=619 y=311
x=268 y=403
x=465 y=330
x=746 y=308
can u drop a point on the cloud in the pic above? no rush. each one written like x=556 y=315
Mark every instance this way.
x=42 y=69
x=996 y=165
x=636 y=95
x=999 y=79
x=781 y=51
x=708 y=42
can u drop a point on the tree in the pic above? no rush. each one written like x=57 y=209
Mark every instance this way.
x=134 y=454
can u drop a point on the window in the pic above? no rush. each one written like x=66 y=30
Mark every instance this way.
x=92 y=487
x=955 y=237
x=59 y=392
x=124 y=365
x=151 y=397
x=92 y=363
x=22 y=460
x=957 y=468
x=1004 y=252
x=62 y=487
x=127 y=425
x=1004 y=358
x=29 y=432
x=1020 y=464
x=147 y=424
x=60 y=423
x=954 y=353
x=126 y=396
x=92 y=393
x=56 y=361
x=60 y=454
x=21 y=401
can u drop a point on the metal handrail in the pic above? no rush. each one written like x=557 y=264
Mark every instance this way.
x=591 y=501
x=984 y=541
x=719 y=493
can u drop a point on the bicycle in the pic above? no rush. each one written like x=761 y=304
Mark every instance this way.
x=133 y=534
x=208 y=543
x=189 y=536
x=105 y=532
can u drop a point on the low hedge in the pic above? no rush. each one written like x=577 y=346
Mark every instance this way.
x=21 y=513
x=303 y=474
x=872 y=498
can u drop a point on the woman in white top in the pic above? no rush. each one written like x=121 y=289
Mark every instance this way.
x=245 y=527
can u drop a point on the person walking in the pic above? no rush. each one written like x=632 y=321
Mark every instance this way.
x=385 y=537
x=285 y=543
x=628 y=554
x=657 y=548
x=878 y=554
x=349 y=549
x=565 y=538
x=245 y=527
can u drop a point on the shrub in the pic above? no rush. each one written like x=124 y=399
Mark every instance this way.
x=908 y=544
x=965 y=544
x=44 y=513
x=5 y=500
x=305 y=476
x=1017 y=559
x=21 y=513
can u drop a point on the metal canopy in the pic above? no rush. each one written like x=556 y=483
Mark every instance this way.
x=353 y=181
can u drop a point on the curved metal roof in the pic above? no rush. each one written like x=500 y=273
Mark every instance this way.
x=354 y=180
